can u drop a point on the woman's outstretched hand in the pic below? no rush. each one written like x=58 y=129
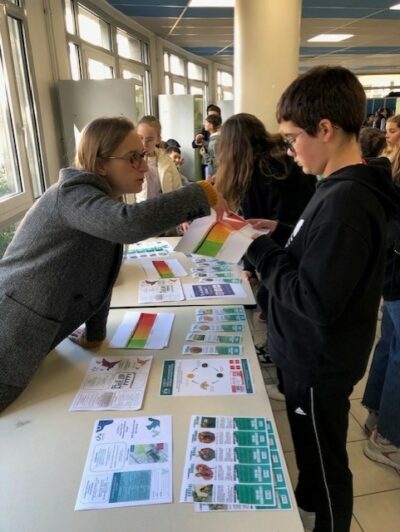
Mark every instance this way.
x=221 y=207
x=260 y=223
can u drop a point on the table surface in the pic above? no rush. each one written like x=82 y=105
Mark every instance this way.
x=126 y=289
x=43 y=446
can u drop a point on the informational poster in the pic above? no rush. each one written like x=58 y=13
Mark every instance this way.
x=213 y=291
x=143 y=330
x=113 y=383
x=199 y=377
x=129 y=463
x=163 y=269
x=160 y=291
x=231 y=461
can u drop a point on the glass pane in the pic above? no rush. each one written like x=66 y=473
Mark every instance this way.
x=28 y=111
x=195 y=71
x=98 y=70
x=177 y=65
x=195 y=90
x=74 y=61
x=227 y=95
x=6 y=235
x=93 y=29
x=226 y=79
x=10 y=182
x=128 y=74
x=178 y=88
x=167 y=85
x=69 y=17
x=128 y=46
x=166 y=62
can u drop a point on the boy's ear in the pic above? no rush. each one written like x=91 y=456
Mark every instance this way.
x=327 y=129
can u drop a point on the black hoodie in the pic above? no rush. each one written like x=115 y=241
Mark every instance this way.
x=325 y=285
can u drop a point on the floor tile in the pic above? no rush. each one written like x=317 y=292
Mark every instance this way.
x=290 y=460
x=359 y=412
x=355 y=431
x=379 y=512
x=368 y=476
x=359 y=388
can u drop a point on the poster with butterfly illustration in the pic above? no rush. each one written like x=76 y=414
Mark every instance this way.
x=113 y=383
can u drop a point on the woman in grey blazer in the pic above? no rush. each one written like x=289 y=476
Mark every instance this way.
x=59 y=270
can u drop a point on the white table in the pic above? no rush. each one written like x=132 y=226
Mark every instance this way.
x=43 y=448
x=126 y=289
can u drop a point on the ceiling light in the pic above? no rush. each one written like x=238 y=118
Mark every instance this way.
x=211 y=3
x=397 y=6
x=331 y=37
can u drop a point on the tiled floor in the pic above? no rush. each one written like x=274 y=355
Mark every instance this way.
x=376 y=487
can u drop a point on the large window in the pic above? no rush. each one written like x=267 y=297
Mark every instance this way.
x=100 y=49
x=224 y=85
x=184 y=77
x=380 y=85
x=21 y=167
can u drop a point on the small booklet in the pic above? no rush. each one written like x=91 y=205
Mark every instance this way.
x=227 y=239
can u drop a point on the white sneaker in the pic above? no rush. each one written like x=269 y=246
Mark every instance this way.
x=383 y=451
x=274 y=393
x=371 y=423
x=308 y=519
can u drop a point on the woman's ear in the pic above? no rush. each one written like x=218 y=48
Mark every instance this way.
x=101 y=167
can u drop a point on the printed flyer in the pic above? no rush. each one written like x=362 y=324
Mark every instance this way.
x=113 y=383
x=233 y=460
x=160 y=291
x=214 y=290
x=199 y=377
x=129 y=463
x=155 y=248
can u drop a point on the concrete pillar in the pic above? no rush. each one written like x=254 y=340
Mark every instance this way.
x=267 y=40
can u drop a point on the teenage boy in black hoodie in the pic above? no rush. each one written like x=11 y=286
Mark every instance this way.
x=325 y=284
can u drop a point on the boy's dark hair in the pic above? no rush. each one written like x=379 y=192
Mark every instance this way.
x=173 y=149
x=214 y=120
x=372 y=141
x=213 y=107
x=333 y=93
x=172 y=143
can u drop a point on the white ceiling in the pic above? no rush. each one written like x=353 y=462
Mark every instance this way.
x=208 y=32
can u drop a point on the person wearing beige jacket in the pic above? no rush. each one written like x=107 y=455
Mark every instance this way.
x=162 y=175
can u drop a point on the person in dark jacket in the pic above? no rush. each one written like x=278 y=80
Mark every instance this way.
x=59 y=270
x=382 y=392
x=260 y=180
x=325 y=284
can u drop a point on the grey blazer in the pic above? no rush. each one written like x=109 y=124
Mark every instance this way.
x=59 y=270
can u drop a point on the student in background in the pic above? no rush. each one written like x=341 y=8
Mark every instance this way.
x=212 y=124
x=201 y=138
x=162 y=175
x=59 y=270
x=175 y=155
x=325 y=284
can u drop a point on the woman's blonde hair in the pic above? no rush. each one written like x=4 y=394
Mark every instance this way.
x=151 y=121
x=100 y=138
x=394 y=152
x=245 y=145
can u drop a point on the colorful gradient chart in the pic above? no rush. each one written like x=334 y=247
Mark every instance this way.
x=142 y=331
x=214 y=240
x=163 y=269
